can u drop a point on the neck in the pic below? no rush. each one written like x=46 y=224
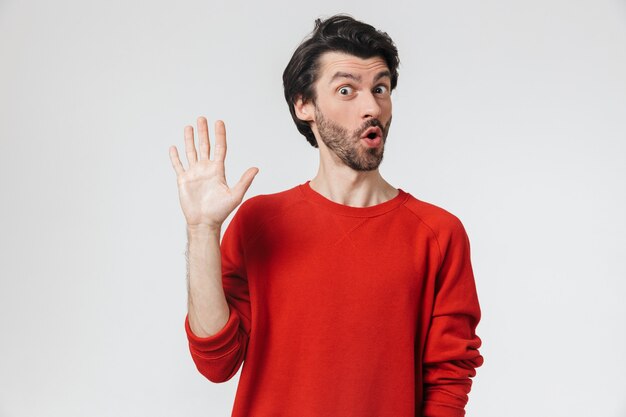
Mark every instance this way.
x=343 y=185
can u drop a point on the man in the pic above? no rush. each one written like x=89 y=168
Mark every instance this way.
x=343 y=296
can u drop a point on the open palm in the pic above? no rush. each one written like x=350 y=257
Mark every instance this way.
x=205 y=197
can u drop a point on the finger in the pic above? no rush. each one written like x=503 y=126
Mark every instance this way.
x=203 y=139
x=219 y=151
x=178 y=166
x=244 y=183
x=190 y=148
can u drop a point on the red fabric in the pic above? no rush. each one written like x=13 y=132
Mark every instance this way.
x=345 y=311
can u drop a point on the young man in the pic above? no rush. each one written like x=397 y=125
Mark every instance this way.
x=343 y=296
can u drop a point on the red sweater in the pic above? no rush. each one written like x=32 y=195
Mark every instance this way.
x=343 y=311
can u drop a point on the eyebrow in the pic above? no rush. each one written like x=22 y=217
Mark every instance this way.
x=358 y=78
x=345 y=75
x=382 y=74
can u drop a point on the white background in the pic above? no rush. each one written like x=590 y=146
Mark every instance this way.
x=510 y=114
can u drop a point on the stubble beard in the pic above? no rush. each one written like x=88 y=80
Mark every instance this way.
x=347 y=146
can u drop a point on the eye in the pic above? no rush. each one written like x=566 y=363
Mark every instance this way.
x=345 y=90
x=381 y=89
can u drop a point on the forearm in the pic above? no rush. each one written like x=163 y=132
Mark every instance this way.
x=208 y=310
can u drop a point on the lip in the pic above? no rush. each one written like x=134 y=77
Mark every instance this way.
x=373 y=129
x=372 y=143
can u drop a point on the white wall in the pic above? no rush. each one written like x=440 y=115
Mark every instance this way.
x=510 y=114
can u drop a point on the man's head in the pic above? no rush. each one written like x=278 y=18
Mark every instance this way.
x=334 y=42
x=351 y=114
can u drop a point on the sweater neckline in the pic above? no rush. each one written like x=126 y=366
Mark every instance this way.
x=376 y=210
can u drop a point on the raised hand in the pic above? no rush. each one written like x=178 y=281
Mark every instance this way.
x=205 y=197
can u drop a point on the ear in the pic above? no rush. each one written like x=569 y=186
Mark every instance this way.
x=305 y=110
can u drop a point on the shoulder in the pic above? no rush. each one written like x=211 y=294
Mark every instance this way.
x=433 y=216
x=445 y=226
x=271 y=203
x=263 y=209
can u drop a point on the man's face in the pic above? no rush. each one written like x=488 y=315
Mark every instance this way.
x=352 y=109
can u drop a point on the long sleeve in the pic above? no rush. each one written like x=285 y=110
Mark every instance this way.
x=219 y=356
x=451 y=353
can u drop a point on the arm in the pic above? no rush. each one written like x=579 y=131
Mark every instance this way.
x=205 y=294
x=451 y=354
x=219 y=356
x=207 y=201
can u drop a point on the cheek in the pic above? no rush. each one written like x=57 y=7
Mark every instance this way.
x=338 y=111
x=330 y=107
x=386 y=106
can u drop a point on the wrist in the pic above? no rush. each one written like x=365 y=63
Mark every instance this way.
x=203 y=229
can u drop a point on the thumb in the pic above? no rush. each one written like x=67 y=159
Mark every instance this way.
x=244 y=183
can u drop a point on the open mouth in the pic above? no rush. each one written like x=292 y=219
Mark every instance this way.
x=372 y=137
x=373 y=133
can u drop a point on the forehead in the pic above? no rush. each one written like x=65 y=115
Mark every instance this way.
x=332 y=63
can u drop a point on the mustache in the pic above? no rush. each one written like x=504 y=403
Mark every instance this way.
x=372 y=123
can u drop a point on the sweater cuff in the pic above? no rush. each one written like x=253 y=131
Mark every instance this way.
x=217 y=344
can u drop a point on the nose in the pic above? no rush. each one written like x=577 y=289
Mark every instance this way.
x=370 y=107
